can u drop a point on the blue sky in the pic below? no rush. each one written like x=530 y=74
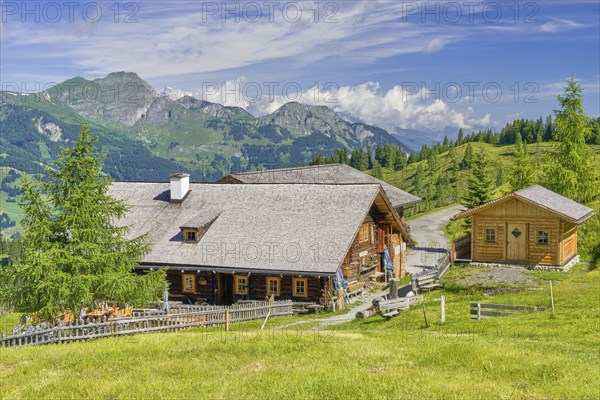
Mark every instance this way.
x=395 y=64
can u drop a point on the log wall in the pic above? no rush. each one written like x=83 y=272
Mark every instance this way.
x=562 y=240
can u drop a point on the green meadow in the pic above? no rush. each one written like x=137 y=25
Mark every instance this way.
x=528 y=355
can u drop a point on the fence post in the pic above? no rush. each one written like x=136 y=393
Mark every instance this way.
x=425 y=316
x=394 y=288
x=443 y=309
x=227 y=320
x=552 y=297
x=478 y=311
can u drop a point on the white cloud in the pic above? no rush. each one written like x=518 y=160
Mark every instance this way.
x=397 y=108
x=559 y=25
x=181 y=43
x=434 y=45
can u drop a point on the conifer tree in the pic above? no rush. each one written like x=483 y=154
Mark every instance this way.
x=377 y=171
x=468 y=158
x=400 y=160
x=73 y=253
x=569 y=169
x=522 y=172
x=479 y=185
x=389 y=156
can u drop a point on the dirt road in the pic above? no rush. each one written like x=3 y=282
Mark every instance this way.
x=431 y=240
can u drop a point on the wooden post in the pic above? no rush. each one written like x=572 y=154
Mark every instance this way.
x=478 y=311
x=227 y=320
x=266 y=318
x=425 y=316
x=340 y=299
x=394 y=288
x=443 y=309
x=552 y=297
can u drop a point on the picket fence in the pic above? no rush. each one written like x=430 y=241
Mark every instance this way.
x=147 y=321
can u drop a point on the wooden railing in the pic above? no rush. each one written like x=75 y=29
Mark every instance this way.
x=477 y=310
x=147 y=321
x=428 y=279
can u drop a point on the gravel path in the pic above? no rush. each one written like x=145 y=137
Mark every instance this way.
x=431 y=240
x=321 y=323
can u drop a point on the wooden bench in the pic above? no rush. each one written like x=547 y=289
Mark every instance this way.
x=390 y=308
x=376 y=276
x=355 y=289
x=427 y=282
x=315 y=307
x=302 y=307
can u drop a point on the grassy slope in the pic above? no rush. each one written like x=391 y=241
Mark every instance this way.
x=12 y=209
x=500 y=157
x=531 y=355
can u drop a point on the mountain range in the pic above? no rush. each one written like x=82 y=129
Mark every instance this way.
x=145 y=133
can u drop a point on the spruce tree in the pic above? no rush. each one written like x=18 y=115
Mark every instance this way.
x=480 y=187
x=73 y=253
x=389 y=156
x=377 y=171
x=569 y=169
x=468 y=158
x=522 y=172
x=400 y=160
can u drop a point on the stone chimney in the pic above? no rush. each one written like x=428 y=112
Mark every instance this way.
x=180 y=187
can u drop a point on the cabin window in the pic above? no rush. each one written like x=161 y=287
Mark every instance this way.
x=363 y=233
x=300 y=287
x=490 y=235
x=188 y=283
x=190 y=236
x=273 y=285
x=542 y=236
x=241 y=284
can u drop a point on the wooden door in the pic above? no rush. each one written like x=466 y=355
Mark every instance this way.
x=516 y=242
x=225 y=289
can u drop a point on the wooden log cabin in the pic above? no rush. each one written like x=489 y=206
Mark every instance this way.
x=533 y=226
x=225 y=243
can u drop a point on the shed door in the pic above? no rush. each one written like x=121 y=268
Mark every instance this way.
x=516 y=242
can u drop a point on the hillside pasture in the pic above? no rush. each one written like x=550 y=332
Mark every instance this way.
x=527 y=355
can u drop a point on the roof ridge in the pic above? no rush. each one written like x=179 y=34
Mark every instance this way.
x=288 y=169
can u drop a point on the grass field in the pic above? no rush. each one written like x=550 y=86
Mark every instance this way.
x=529 y=355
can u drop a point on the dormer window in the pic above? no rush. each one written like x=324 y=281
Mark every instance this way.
x=193 y=230
x=190 y=236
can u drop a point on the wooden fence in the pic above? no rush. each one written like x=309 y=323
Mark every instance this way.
x=478 y=312
x=429 y=279
x=147 y=321
x=461 y=248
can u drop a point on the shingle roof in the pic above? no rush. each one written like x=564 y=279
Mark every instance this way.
x=555 y=202
x=547 y=199
x=274 y=227
x=326 y=174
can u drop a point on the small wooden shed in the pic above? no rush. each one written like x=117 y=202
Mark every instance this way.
x=530 y=226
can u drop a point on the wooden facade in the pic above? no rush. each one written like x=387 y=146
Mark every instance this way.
x=364 y=260
x=222 y=287
x=519 y=232
x=363 y=263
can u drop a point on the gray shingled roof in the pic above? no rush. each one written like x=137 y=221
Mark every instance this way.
x=327 y=174
x=552 y=201
x=544 y=198
x=279 y=228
